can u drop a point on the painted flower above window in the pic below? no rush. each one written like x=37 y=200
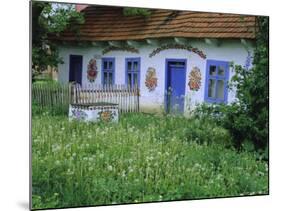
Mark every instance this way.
x=151 y=79
x=92 y=70
x=194 y=79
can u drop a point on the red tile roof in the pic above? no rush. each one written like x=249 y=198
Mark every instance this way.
x=106 y=23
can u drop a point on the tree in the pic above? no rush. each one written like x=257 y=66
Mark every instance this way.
x=50 y=18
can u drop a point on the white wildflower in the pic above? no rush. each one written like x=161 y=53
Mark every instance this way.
x=260 y=173
x=197 y=165
x=69 y=172
x=109 y=168
x=130 y=169
x=123 y=174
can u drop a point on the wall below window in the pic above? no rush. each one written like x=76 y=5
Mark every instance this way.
x=153 y=101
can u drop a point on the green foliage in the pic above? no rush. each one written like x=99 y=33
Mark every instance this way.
x=247 y=119
x=50 y=18
x=136 y=12
x=143 y=158
x=230 y=117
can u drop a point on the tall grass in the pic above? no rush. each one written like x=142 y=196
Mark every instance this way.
x=143 y=158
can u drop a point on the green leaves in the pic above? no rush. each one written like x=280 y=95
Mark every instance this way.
x=136 y=12
x=50 y=18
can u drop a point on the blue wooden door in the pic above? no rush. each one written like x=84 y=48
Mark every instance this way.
x=75 y=68
x=176 y=87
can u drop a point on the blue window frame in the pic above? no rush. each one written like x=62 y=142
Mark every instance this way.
x=132 y=71
x=108 y=71
x=217 y=73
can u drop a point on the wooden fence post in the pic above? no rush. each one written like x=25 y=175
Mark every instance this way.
x=138 y=99
x=70 y=91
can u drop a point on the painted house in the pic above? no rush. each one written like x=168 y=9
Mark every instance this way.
x=178 y=59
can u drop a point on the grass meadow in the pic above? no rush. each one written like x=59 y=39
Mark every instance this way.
x=143 y=158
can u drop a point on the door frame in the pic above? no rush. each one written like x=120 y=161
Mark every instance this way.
x=167 y=60
x=73 y=56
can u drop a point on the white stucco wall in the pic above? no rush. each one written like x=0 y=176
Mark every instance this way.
x=229 y=50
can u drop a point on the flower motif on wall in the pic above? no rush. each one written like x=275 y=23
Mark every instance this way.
x=106 y=116
x=151 y=79
x=178 y=46
x=79 y=114
x=92 y=70
x=123 y=48
x=194 y=79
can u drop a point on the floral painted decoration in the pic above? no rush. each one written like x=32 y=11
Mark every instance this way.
x=151 y=79
x=123 y=48
x=78 y=114
x=106 y=116
x=194 y=79
x=178 y=46
x=92 y=70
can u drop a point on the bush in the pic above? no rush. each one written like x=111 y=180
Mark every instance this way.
x=241 y=127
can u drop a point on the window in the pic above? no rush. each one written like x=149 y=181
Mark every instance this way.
x=216 y=81
x=133 y=71
x=108 y=66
